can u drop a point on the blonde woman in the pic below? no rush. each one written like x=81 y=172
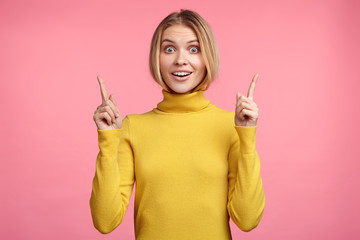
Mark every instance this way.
x=194 y=164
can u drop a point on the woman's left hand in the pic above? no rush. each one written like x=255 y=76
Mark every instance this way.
x=246 y=111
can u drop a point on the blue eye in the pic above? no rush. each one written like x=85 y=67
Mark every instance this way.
x=169 y=49
x=194 y=50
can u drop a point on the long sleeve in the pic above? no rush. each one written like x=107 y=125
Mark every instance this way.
x=114 y=178
x=246 y=199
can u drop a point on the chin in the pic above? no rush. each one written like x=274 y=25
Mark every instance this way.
x=178 y=89
x=181 y=90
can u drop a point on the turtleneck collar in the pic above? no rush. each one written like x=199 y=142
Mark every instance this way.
x=183 y=103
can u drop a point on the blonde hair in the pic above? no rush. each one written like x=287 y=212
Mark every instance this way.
x=206 y=40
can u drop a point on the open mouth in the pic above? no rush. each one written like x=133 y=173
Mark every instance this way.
x=181 y=74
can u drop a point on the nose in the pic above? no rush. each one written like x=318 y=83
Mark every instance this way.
x=181 y=58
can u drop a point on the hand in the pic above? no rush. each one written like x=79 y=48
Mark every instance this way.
x=246 y=111
x=107 y=115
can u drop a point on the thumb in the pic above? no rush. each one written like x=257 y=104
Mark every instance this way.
x=112 y=99
x=238 y=95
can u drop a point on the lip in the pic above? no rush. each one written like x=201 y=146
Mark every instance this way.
x=181 y=79
x=179 y=70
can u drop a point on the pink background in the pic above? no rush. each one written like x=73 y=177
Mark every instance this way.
x=307 y=55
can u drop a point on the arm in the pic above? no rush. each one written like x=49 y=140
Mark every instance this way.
x=114 y=178
x=246 y=199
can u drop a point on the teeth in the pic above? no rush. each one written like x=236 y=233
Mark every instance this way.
x=181 y=74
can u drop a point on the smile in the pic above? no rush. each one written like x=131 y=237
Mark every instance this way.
x=181 y=74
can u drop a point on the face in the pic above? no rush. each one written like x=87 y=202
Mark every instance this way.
x=181 y=64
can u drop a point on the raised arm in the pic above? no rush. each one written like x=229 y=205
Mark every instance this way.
x=246 y=199
x=114 y=176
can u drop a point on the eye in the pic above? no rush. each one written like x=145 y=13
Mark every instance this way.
x=194 y=49
x=169 y=49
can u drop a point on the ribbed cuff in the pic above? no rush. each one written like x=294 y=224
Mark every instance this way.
x=109 y=138
x=247 y=136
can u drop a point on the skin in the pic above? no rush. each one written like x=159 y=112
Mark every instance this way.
x=107 y=115
x=246 y=110
x=178 y=54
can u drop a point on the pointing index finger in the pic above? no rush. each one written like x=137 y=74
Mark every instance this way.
x=252 y=87
x=104 y=94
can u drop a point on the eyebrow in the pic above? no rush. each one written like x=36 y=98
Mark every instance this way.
x=168 y=40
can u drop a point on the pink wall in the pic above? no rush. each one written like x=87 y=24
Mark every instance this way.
x=307 y=54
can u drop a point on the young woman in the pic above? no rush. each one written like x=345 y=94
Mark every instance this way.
x=194 y=164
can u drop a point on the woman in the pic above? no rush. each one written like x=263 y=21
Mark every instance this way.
x=193 y=165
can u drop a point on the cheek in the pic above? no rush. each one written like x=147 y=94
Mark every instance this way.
x=163 y=62
x=201 y=68
x=199 y=63
x=164 y=67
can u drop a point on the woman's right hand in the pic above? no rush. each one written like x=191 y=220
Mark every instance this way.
x=107 y=115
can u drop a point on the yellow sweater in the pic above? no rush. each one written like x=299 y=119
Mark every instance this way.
x=193 y=169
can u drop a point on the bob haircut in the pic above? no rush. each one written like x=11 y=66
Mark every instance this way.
x=208 y=47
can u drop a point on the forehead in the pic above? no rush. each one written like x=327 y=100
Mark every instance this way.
x=179 y=32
